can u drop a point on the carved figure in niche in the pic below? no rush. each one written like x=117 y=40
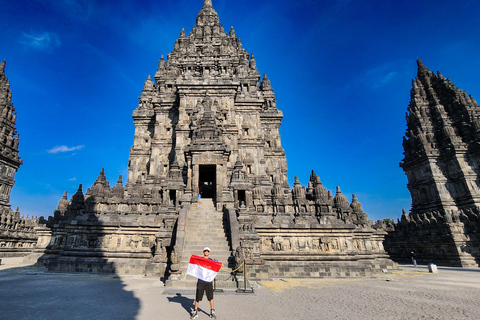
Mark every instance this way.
x=334 y=244
x=239 y=255
x=302 y=244
x=286 y=244
x=278 y=244
x=267 y=244
x=316 y=244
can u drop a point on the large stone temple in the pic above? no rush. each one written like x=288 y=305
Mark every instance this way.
x=442 y=164
x=207 y=167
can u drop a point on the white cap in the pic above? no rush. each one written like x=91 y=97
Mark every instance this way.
x=207 y=248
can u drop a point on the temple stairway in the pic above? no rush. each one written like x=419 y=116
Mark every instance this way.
x=203 y=228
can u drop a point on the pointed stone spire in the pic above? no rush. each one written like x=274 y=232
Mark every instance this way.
x=118 y=190
x=207 y=16
x=320 y=192
x=161 y=63
x=8 y=139
x=253 y=62
x=149 y=85
x=78 y=199
x=422 y=70
x=356 y=205
x=340 y=200
x=63 y=203
x=265 y=84
x=298 y=191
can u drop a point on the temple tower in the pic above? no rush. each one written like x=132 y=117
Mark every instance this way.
x=9 y=159
x=207 y=126
x=442 y=158
x=442 y=151
x=206 y=110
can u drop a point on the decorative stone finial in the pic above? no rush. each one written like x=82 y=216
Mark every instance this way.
x=207 y=16
x=63 y=203
x=207 y=3
x=422 y=70
x=253 y=62
x=148 y=85
x=356 y=205
x=265 y=83
x=340 y=200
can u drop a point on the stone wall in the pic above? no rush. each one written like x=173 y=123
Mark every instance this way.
x=18 y=235
x=443 y=238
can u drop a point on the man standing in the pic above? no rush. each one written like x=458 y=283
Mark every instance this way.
x=414 y=258
x=204 y=286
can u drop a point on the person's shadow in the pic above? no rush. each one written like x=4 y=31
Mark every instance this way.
x=185 y=302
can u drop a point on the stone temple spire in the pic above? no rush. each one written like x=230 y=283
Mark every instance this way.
x=441 y=144
x=9 y=139
x=207 y=16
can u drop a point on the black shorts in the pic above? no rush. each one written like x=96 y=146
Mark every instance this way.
x=204 y=287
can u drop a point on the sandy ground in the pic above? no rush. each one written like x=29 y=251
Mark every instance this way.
x=30 y=293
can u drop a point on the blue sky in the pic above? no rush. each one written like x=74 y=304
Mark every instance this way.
x=341 y=71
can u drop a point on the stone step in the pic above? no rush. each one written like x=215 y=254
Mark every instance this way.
x=206 y=219
x=214 y=247
x=204 y=227
x=219 y=256
x=206 y=236
x=200 y=244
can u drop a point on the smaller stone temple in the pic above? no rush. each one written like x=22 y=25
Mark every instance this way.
x=17 y=234
x=442 y=164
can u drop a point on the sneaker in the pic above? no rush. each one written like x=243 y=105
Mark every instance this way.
x=194 y=315
x=212 y=314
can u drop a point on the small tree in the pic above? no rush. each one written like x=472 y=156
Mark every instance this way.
x=388 y=221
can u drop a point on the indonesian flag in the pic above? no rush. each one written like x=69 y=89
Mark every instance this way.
x=203 y=268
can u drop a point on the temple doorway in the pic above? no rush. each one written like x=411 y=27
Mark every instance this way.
x=207 y=181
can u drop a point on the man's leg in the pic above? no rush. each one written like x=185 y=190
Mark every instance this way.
x=210 y=299
x=194 y=314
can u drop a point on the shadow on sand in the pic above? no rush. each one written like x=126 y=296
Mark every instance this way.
x=28 y=293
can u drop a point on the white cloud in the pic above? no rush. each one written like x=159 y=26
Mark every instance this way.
x=41 y=41
x=389 y=77
x=73 y=179
x=382 y=75
x=59 y=149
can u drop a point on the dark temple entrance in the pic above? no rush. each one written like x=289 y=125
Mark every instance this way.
x=207 y=181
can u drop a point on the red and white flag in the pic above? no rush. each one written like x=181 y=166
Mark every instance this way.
x=203 y=268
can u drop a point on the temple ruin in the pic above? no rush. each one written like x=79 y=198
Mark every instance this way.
x=442 y=164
